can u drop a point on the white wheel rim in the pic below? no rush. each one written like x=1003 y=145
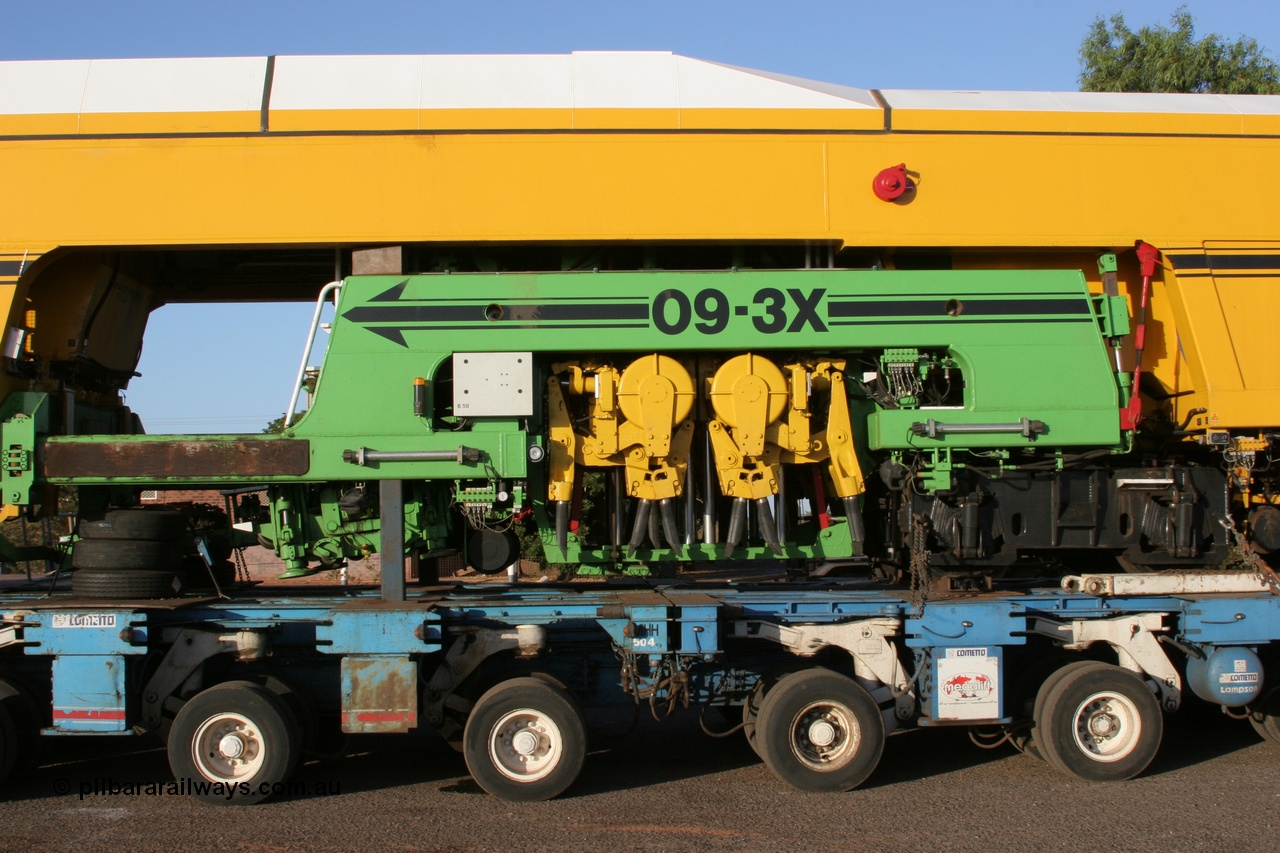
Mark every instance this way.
x=525 y=745
x=1107 y=726
x=825 y=735
x=228 y=748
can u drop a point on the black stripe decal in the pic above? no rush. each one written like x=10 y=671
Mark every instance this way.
x=642 y=302
x=10 y=267
x=642 y=131
x=972 y=308
x=951 y=294
x=961 y=320
x=1225 y=262
x=1185 y=276
x=537 y=312
x=506 y=326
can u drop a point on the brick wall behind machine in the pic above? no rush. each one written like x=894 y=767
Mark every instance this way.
x=177 y=496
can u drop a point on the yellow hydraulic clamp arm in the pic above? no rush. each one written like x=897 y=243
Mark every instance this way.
x=764 y=418
x=637 y=419
x=834 y=443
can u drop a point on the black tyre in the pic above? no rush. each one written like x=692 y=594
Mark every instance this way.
x=126 y=583
x=1031 y=747
x=125 y=554
x=159 y=524
x=1098 y=722
x=525 y=740
x=236 y=742
x=751 y=715
x=491 y=551
x=304 y=713
x=751 y=708
x=1265 y=716
x=8 y=744
x=24 y=713
x=820 y=731
x=331 y=742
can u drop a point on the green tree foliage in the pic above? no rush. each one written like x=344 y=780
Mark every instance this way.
x=1114 y=58
x=277 y=426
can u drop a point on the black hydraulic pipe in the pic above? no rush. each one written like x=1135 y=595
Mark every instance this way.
x=969 y=527
x=655 y=533
x=767 y=528
x=857 y=529
x=562 y=526
x=639 y=528
x=618 y=504
x=667 y=509
x=780 y=517
x=690 y=523
x=737 y=526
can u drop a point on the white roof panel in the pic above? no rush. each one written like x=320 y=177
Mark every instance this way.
x=541 y=81
x=583 y=80
x=347 y=83
x=763 y=89
x=174 y=85
x=1254 y=105
x=43 y=87
x=1083 y=102
x=626 y=80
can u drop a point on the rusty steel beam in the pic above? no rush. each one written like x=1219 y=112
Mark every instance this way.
x=186 y=459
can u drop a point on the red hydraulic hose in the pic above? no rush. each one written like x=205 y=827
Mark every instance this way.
x=1148 y=257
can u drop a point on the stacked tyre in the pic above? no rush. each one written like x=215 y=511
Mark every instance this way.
x=129 y=553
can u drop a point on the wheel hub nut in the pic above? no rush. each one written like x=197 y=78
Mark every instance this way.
x=231 y=746
x=1102 y=725
x=822 y=733
x=525 y=743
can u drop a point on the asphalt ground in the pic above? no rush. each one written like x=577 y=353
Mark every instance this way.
x=1215 y=785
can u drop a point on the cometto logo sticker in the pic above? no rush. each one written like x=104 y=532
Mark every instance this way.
x=84 y=620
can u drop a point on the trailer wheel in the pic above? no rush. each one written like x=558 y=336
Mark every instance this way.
x=236 y=742
x=751 y=714
x=1098 y=722
x=1032 y=747
x=125 y=554
x=525 y=740
x=8 y=744
x=304 y=714
x=24 y=714
x=1265 y=717
x=751 y=707
x=160 y=525
x=820 y=731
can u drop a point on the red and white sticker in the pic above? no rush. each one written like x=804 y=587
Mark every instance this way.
x=968 y=685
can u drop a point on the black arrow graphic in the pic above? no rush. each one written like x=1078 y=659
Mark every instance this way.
x=390 y=315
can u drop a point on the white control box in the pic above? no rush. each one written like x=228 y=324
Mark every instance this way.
x=493 y=384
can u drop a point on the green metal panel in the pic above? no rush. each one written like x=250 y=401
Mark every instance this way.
x=1013 y=346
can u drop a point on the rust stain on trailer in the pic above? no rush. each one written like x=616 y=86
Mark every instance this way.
x=180 y=459
x=379 y=694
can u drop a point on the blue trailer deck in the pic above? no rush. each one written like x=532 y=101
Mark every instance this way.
x=243 y=683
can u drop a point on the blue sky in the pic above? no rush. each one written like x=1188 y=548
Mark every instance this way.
x=204 y=370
